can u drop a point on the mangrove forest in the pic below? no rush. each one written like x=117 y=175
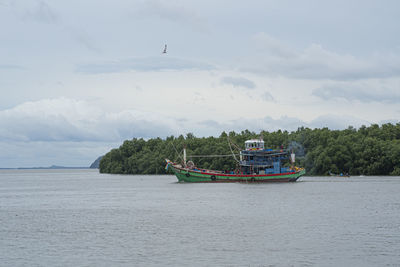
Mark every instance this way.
x=372 y=150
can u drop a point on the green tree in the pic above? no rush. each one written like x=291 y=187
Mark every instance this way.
x=373 y=150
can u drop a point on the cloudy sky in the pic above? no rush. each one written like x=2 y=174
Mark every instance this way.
x=79 y=77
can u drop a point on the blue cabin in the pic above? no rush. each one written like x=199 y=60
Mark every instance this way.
x=256 y=159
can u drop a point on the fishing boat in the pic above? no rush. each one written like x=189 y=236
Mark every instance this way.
x=255 y=164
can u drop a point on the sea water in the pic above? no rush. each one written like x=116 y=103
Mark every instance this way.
x=83 y=218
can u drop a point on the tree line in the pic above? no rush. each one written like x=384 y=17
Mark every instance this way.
x=373 y=150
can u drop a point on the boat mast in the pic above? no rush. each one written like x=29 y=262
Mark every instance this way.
x=230 y=147
x=184 y=156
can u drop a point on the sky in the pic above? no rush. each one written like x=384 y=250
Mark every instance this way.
x=77 y=78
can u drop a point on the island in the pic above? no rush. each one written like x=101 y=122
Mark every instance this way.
x=372 y=150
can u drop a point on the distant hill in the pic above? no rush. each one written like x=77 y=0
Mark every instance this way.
x=51 y=167
x=96 y=163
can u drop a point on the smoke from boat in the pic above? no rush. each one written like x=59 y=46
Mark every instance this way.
x=297 y=148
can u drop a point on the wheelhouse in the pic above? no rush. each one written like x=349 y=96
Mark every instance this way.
x=256 y=159
x=254 y=144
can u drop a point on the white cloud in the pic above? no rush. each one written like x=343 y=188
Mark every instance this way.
x=65 y=119
x=180 y=13
x=272 y=46
x=267 y=123
x=238 y=82
x=337 y=122
x=10 y=67
x=249 y=86
x=74 y=133
x=274 y=57
x=41 y=12
x=315 y=62
x=266 y=96
x=363 y=95
x=372 y=91
x=160 y=63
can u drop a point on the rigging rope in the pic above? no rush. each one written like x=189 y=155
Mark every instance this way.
x=210 y=156
x=230 y=147
x=176 y=151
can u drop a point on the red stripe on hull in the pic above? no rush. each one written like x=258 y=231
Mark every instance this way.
x=283 y=180
x=234 y=175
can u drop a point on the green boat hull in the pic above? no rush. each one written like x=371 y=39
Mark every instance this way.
x=185 y=175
